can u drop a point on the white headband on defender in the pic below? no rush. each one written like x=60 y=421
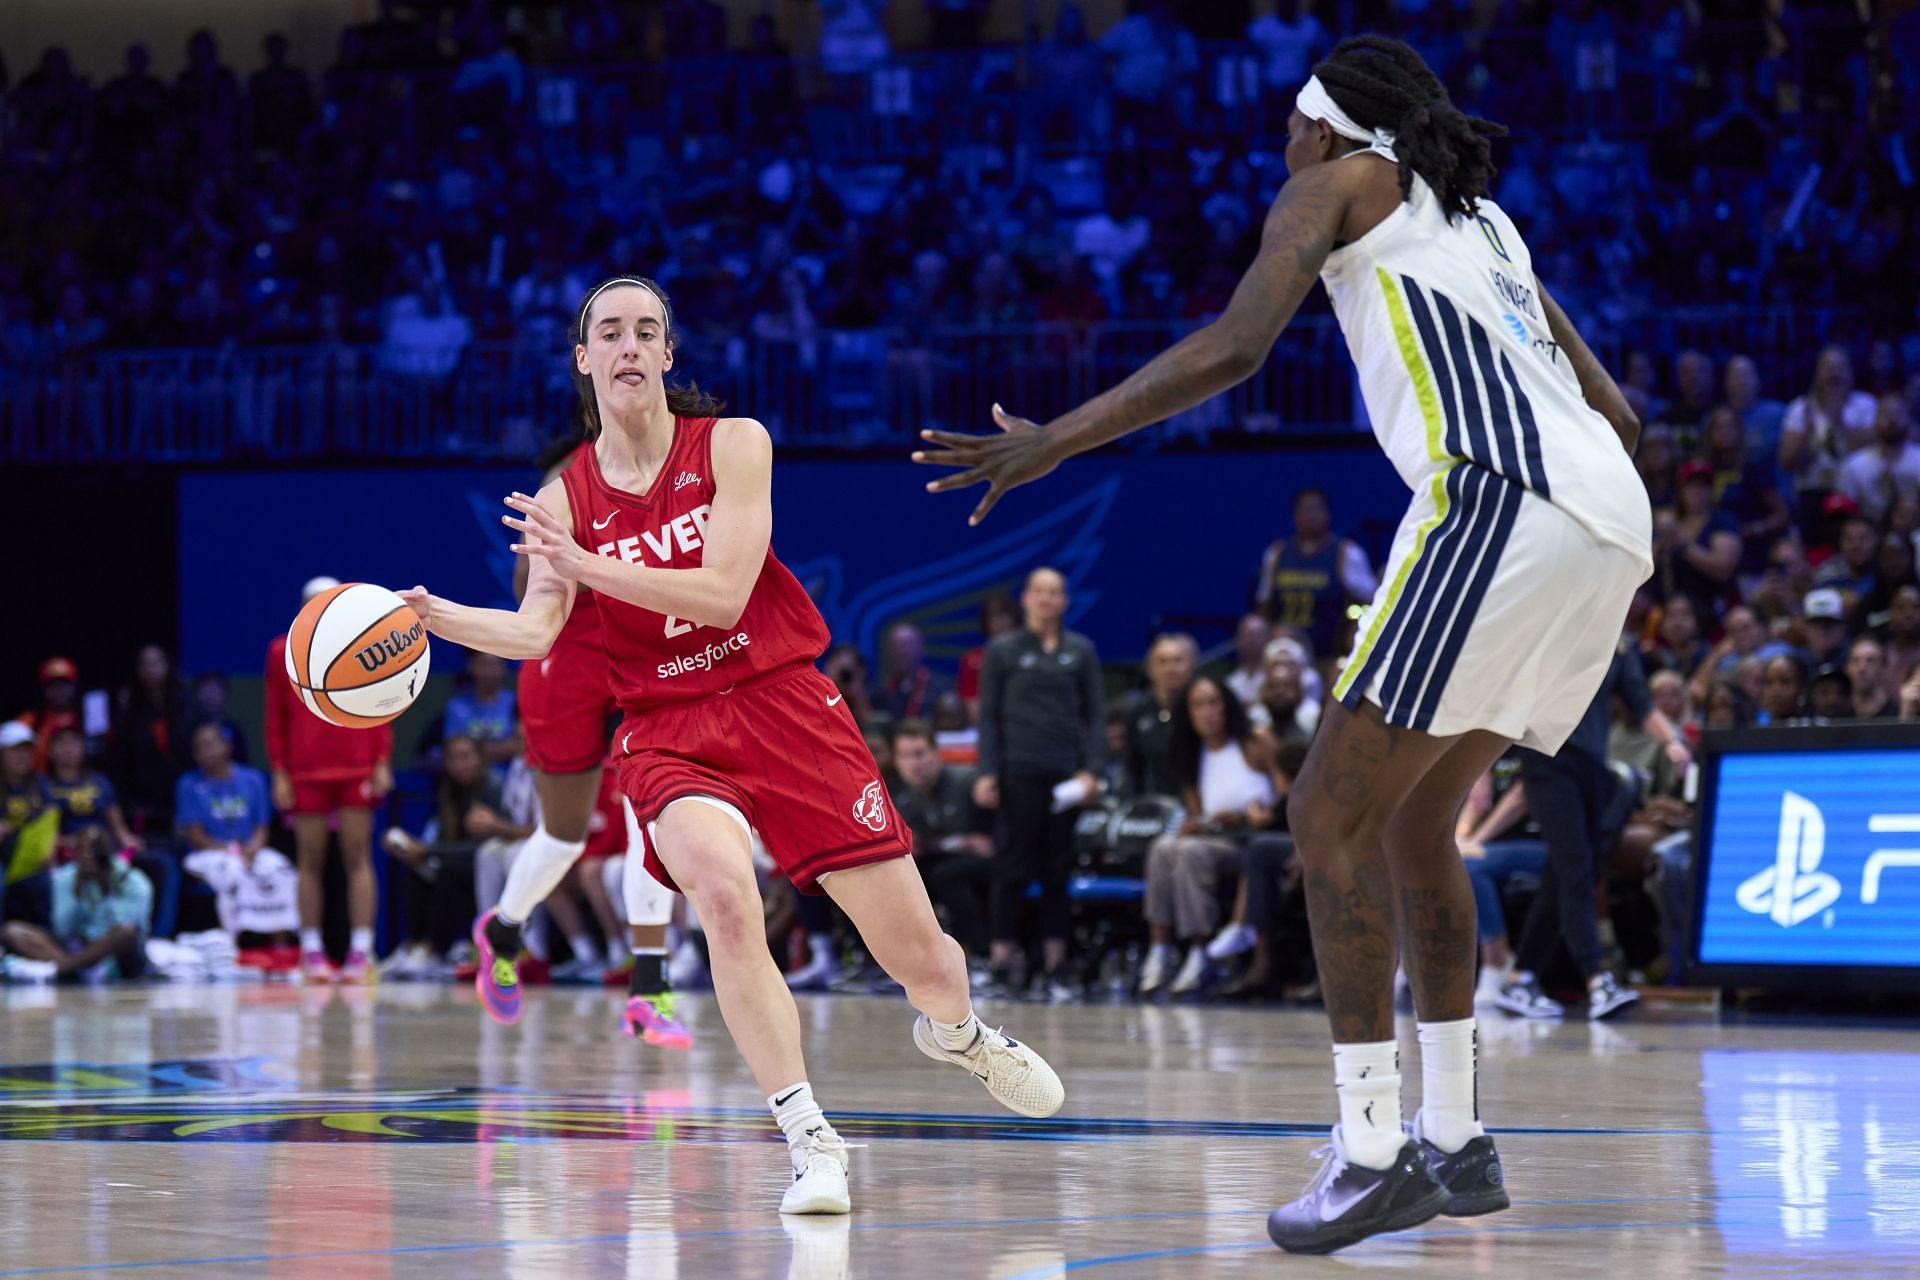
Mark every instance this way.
x=587 y=306
x=1315 y=103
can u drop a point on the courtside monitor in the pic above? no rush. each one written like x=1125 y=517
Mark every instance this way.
x=1807 y=865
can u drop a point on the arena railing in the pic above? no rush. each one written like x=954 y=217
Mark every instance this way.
x=869 y=388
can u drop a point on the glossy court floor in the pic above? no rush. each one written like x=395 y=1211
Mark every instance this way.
x=291 y=1133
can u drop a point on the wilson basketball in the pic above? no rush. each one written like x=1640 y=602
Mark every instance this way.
x=358 y=655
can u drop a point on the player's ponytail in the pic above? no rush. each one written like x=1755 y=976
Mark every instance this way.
x=1384 y=84
x=683 y=401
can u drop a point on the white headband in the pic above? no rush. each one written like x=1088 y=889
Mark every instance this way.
x=1315 y=103
x=617 y=281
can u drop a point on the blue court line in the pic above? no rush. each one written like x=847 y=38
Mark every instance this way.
x=1037 y=1274
x=611 y=1238
x=1054 y=1270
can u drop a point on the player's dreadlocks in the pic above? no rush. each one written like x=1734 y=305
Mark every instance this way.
x=687 y=401
x=1383 y=84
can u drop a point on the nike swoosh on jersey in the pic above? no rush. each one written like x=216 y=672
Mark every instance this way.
x=834 y=701
x=601 y=524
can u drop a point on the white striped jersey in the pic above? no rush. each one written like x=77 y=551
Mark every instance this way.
x=1462 y=378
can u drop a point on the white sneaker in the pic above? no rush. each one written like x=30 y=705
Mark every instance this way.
x=1233 y=940
x=21 y=969
x=819 y=1174
x=1018 y=1078
x=1195 y=968
x=1486 y=992
x=820 y=973
x=1153 y=974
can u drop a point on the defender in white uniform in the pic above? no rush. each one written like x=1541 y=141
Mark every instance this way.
x=1507 y=589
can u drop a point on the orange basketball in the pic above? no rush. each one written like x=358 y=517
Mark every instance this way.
x=358 y=655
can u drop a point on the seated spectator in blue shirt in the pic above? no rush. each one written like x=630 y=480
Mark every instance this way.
x=86 y=799
x=100 y=913
x=209 y=706
x=485 y=710
x=220 y=804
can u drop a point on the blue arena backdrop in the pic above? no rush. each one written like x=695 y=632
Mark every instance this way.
x=1139 y=539
x=1808 y=865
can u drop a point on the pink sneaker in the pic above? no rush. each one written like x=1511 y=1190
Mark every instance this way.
x=317 y=967
x=358 y=967
x=650 y=1018
x=497 y=981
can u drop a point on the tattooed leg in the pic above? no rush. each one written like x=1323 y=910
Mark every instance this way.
x=1432 y=894
x=1357 y=774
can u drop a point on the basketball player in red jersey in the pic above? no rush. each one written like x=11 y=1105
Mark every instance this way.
x=729 y=726
x=566 y=700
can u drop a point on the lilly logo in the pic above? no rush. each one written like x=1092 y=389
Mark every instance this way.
x=1793 y=889
x=871 y=808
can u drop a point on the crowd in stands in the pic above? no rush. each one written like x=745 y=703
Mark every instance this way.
x=460 y=175
x=1785 y=594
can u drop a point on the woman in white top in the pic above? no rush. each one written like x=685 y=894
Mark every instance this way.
x=1504 y=596
x=1823 y=426
x=1225 y=768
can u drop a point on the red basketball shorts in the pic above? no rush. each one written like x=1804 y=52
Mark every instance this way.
x=328 y=796
x=564 y=709
x=786 y=753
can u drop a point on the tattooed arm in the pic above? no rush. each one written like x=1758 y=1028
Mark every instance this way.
x=1300 y=231
x=1602 y=393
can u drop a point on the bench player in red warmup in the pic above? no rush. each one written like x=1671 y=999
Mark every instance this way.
x=729 y=727
x=566 y=699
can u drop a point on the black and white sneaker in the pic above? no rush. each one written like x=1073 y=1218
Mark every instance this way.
x=1346 y=1202
x=1521 y=996
x=1474 y=1180
x=1609 y=998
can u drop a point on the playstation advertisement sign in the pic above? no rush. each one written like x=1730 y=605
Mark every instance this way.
x=1807 y=866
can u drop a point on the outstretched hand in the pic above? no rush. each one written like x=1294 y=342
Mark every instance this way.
x=543 y=535
x=1022 y=452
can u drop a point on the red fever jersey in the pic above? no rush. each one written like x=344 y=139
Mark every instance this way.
x=740 y=714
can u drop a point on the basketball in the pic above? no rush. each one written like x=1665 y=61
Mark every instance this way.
x=357 y=655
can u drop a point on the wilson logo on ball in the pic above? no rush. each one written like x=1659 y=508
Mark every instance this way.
x=389 y=647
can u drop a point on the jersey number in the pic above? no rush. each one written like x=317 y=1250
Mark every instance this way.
x=1296 y=608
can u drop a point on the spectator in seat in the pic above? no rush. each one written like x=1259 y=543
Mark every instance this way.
x=222 y=814
x=1283 y=708
x=1496 y=807
x=1308 y=580
x=1826 y=622
x=24 y=794
x=439 y=862
x=1697 y=549
x=324 y=774
x=1677 y=644
x=1832 y=695
x=485 y=710
x=59 y=706
x=1249 y=674
x=1822 y=427
x=1910 y=696
x=908 y=688
x=1760 y=418
x=999 y=614
x=1042 y=739
x=1881 y=474
x=209 y=706
x=1224 y=766
x=1744 y=488
x=1902 y=636
x=280 y=98
x=99 y=915
x=1852 y=570
x=1728 y=706
x=952 y=835
x=1149 y=54
x=86 y=799
x=1784 y=584
x=1290 y=40
x=1171 y=659
x=1783 y=692
x=1270 y=910
x=1867 y=669
x=147 y=754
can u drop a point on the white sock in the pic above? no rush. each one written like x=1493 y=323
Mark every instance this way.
x=310 y=940
x=1449 y=1100
x=536 y=872
x=957 y=1036
x=649 y=951
x=1367 y=1078
x=795 y=1111
x=360 y=940
x=585 y=950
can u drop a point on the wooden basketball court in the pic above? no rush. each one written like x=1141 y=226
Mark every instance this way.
x=297 y=1132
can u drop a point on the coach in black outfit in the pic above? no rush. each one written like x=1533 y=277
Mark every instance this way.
x=1041 y=724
